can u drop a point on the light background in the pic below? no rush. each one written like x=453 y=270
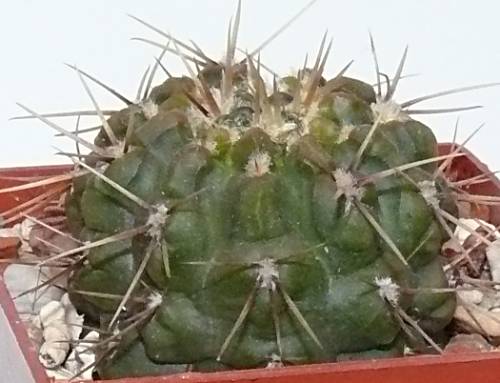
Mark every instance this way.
x=452 y=44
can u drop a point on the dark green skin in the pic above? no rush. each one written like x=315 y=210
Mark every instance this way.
x=327 y=259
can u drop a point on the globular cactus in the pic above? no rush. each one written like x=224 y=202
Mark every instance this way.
x=231 y=223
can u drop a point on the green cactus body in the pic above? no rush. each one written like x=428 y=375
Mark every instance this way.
x=257 y=243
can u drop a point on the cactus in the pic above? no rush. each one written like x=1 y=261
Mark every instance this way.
x=230 y=223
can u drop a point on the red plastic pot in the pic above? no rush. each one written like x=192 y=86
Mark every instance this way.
x=448 y=368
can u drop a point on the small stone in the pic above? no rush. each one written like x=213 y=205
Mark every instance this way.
x=493 y=255
x=462 y=233
x=477 y=319
x=466 y=343
x=471 y=296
